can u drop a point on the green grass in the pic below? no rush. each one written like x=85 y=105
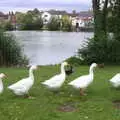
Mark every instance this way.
x=97 y=105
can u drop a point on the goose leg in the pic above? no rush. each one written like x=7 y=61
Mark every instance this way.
x=82 y=92
x=28 y=96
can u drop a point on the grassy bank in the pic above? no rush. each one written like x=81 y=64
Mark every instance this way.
x=97 y=105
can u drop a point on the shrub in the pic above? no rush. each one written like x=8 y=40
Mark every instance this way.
x=66 y=23
x=101 y=50
x=54 y=24
x=8 y=26
x=10 y=51
x=75 y=61
x=38 y=24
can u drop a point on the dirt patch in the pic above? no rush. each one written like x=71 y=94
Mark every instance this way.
x=67 y=107
x=116 y=104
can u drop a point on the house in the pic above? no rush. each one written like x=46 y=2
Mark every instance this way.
x=87 y=18
x=3 y=17
x=47 y=15
x=82 y=19
x=12 y=18
x=8 y=18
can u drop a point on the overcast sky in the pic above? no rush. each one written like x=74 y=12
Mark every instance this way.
x=24 y=5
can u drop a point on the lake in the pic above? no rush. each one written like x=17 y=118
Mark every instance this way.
x=49 y=47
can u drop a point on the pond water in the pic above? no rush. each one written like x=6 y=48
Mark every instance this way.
x=46 y=47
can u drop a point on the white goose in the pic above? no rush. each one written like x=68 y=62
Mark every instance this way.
x=22 y=87
x=82 y=82
x=56 y=81
x=115 y=80
x=2 y=75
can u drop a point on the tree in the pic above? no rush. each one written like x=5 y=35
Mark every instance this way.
x=66 y=23
x=36 y=11
x=30 y=21
x=10 y=51
x=27 y=22
x=100 y=16
x=54 y=24
x=19 y=17
x=8 y=26
x=38 y=23
x=102 y=48
x=116 y=15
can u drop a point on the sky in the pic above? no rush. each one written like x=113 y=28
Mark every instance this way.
x=24 y=5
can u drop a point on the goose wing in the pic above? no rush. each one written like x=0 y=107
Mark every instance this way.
x=115 y=78
x=20 y=84
x=82 y=81
x=54 y=80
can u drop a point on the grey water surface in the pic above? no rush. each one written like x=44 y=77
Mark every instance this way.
x=50 y=47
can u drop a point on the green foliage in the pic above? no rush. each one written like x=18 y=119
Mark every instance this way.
x=101 y=50
x=54 y=24
x=27 y=22
x=66 y=23
x=110 y=24
x=95 y=50
x=116 y=15
x=30 y=21
x=10 y=51
x=36 y=11
x=37 y=23
x=19 y=17
x=75 y=61
x=8 y=26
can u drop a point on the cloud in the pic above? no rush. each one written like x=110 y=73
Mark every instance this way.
x=7 y=5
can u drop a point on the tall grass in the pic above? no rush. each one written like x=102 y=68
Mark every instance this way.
x=10 y=51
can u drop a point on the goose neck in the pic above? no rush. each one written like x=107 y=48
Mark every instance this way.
x=31 y=73
x=1 y=86
x=62 y=69
x=91 y=72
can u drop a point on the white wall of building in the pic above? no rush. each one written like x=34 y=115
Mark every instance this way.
x=46 y=17
x=78 y=21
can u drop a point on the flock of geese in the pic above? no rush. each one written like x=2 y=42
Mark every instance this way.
x=22 y=87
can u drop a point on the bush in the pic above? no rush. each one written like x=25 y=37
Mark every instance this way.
x=38 y=24
x=8 y=26
x=10 y=51
x=101 y=50
x=54 y=24
x=66 y=24
x=75 y=61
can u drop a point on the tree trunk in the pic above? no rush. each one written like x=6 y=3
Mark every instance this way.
x=104 y=18
x=116 y=15
x=99 y=17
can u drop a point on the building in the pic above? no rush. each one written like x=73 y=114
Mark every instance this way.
x=8 y=18
x=47 y=15
x=83 y=19
x=3 y=17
